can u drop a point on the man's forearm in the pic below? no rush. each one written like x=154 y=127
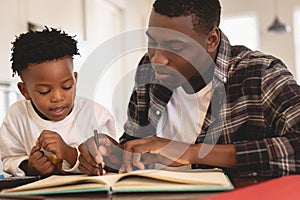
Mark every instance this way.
x=221 y=155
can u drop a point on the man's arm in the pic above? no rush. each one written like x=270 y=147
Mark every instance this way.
x=278 y=153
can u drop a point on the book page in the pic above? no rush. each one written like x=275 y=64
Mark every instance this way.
x=57 y=180
x=171 y=181
x=142 y=184
x=188 y=177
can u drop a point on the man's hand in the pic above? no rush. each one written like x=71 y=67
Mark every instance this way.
x=109 y=154
x=140 y=152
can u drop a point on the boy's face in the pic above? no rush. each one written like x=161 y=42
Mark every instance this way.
x=51 y=86
x=177 y=51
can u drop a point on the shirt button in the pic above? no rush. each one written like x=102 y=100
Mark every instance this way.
x=157 y=112
x=254 y=174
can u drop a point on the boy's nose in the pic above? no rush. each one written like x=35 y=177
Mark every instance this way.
x=57 y=96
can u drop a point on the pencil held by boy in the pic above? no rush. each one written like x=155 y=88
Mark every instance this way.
x=40 y=135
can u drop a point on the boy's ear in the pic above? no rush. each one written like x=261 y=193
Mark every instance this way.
x=23 y=90
x=75 y=75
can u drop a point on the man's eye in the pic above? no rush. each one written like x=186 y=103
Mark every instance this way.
x=176 y=47
x=151 y=43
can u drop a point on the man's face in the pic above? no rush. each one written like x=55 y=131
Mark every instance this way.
x=51 y=86
x=177 y=51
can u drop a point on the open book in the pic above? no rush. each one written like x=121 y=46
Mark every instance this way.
x=135 y=181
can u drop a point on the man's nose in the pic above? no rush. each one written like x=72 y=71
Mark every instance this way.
x=159 y=57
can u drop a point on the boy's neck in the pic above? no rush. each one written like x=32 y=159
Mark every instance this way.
x=38 y=112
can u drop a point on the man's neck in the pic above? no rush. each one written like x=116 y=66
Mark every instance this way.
x=199 y=81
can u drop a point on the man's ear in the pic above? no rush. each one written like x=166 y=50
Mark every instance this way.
x=213 y=40
x=23 y=90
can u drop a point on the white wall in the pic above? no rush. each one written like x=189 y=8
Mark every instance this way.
x=10 y=23
x=280 y=45
x=65 y=14
x=68 y=14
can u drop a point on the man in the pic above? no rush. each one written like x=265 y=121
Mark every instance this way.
x=245 y=105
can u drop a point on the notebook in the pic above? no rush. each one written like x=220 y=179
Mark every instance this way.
x=135 y=181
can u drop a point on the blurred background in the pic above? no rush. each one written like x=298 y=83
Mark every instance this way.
x=271 y=26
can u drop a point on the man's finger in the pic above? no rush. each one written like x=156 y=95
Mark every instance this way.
x=127 y=161
x=106 y=140
x=136 y=161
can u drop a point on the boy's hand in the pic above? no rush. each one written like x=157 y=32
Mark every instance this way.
x=38 y=164
x=52 y=142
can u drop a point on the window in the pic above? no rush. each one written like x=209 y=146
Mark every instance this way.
x=242 y=30
x=297 y=42
x=8 y=95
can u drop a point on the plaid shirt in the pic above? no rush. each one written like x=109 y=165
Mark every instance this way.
x=255 y=105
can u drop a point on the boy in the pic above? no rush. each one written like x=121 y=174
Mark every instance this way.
x=40 y=135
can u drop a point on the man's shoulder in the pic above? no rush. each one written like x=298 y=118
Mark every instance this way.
x=245 y=58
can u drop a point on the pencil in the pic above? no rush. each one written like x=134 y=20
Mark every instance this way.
x=97 y=144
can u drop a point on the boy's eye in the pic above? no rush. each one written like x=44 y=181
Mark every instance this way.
x=67 y=87
x=44 y=92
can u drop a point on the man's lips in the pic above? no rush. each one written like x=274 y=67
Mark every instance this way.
x=163 y=76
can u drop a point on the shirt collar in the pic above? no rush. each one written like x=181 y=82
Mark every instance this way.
x=222 y=59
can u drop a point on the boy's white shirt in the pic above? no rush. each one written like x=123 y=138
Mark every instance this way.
x=22 y=126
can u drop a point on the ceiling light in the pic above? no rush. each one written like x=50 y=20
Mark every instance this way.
x=278 y=27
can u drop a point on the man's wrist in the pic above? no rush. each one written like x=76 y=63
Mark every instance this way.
x=193 y=154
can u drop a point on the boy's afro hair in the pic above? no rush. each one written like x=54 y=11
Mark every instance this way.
x=35 y=47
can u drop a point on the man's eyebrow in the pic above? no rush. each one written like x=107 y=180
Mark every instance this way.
x=173 y=41
x=167 y=41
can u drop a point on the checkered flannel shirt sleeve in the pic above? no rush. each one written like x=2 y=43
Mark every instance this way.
x=280 y=154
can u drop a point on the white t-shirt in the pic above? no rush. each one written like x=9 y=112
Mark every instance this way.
x=184 y=115
x=22 y=126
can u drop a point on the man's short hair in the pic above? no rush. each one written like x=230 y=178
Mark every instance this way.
x=205 y=13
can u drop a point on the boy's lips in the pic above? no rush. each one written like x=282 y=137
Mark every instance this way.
x=58 y=110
